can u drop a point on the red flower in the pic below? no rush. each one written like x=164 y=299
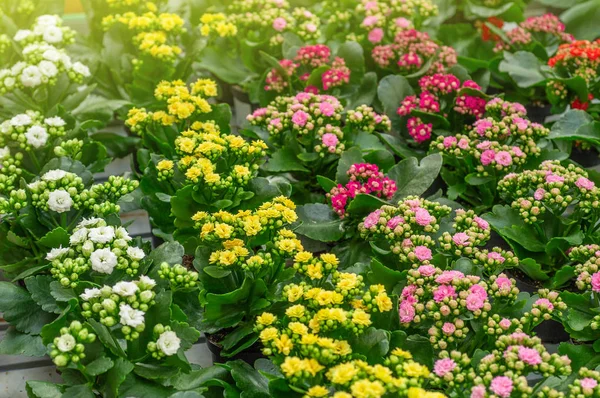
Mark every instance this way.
x=486 y=32
x=577 y=104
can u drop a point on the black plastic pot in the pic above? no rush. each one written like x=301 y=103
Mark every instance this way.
x=249 y=355
x=538 y=114
x=586 y=158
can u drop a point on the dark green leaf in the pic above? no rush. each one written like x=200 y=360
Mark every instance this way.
x=17 y=343
x=20 y=310
x=99 y=366
x=284 y=160
x=319 y=222
x=39 y=287
x=413 y=178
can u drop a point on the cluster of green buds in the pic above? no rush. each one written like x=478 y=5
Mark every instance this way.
x=96 y=245
x=69 y=148
x=587 y=267
x=167 y=343
x=165 y=169
x=548 y=304
x=178 y=276
x=102 y=198
x=10 y=172
x=57 y=190
x=586 y=385
x=125 y=303
x=69 y=346
x=16 y=201
x=31 y=130
x=4 y=43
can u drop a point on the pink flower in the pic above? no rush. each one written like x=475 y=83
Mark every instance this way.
x=481 y=223
x=463 y=143
x=518 y=336
x=423 y=217
x=394 y=222
x=423 y=253
x=529 y=356
x=479 y=291
x=488 y=157
x=408 y=291
x=259 y=112
x=372 y=219
x=275 y=121
x=311 y=90
x=505 y=323
x=449 y=276
x=327 y=108
x=370 y=20
x=502 y=386
x=596 y=282
x=484 y=144
x=588 y=383
x=554 y=178
x=376 y=35
x=539 y=194
x=478 y=391
x=370 y=5
x=497 y=257
x=521 y=123
x=444 y=291
x=311 y=27
x=448 y=328
x=517 y=151
x=426 y=270
x=339 y=201
x=544 y=303
x=299 y=118
x=482 y=125
x=474 y=302
x=449 y=141
x=503 y=158
x=584 y=183
x=330 y=140
x=402 y=23
x=302 y=97
x=279 y=24
x=406 y=312
x=443 y=366
x=460 y=239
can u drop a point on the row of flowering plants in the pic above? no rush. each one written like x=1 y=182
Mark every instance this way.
x=394 y=217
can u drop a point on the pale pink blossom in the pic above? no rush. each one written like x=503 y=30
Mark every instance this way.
x=481 y=223
x=478 y=391
x=460 y=239
x=448 y=328
x=423 y=217
x=406 y=312
x=443 y=366
x=279 y=24
x=539 y=194
x=394 y=222
x=444 y=291
x=584 y=183
x=488 y=157
x=299 y=118
x=372 y=219
x=329 y=140
x=423 y=253
x=503 y=158
x=426 y=270
x=530 y=356
x=502 y=386
x=596 y=282
x=375 y=35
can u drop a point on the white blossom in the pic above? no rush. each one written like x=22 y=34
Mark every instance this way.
x=56 y=253
x=80 y=68
x=4 y=153
x=122 y=233
x=55 y=121
x=48 y=69
x=66 y=61
x=52 y=55
x=90 y=222
x=125 y=289
x=36 y=136
x=79 y=236
x=135 y=253
x=31 y=76
x=60 y=201
x=103 y=260
x=102 y=234
x=147 y=281
x=34 y=186
x=9 y=82
x=53 y=34
x=21 y=120
x=54 y=175
x=18 y=67
x=66 y=343
x=168 y=343
x=130 y=316
x=89 y=294
x=48 y=20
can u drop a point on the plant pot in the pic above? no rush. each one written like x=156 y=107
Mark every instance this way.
x=538 y=114
x=156 y=241
x=586 y=158
x=249 y=355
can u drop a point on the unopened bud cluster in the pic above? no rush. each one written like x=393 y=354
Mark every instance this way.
x=178 y=276
x=69 y=346
x=167 y=343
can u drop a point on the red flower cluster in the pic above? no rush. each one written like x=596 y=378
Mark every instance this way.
x=578 y=53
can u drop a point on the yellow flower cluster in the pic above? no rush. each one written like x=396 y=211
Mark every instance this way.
x=155 y=34
x=217 y=23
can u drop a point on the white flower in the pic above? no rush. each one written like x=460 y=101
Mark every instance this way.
x=48 y=69
x=22 y=34
x=48 y=20
x=80 y=68
x=36 y=136
x=78 y=236
x=52 y=55
x=103 y=260
x=135 y=253
x=18 y=68
x=66 y=61
x=21 y=120
x=34 y=186
x=55 y=121
x=60 y=201
x=66 y=343
x=129 y=316
x=54 y=175
x=168 y=343
x=4 y=153
x=125 y=289
x=53 y=34
x=5 y=127
x=89 y=294
x=90 y=222
x=56 y=253
x=87 y=248
x=147 y=281
x=122 y=233
x=102 y=234
x=9 y=82
x=31 y=76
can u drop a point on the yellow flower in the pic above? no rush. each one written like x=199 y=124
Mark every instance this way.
x=185 y=144
x=289 y=216
x=367 y=389
x=202 y=104
x=347 y=281
x=227 y=257
x=207 y=229
x=289 y=245
x=358 y=304
x=294 y=293
x=182 y=110
x=343 y=373
x=384 y=303
x=291 y=366
x=360 y=317
x=414 y=369
x=204 y=30
x=268 y=334
x=212 y=178
x=235 y=141
x=295 y=311
x=309 y=339
x=314 y=271
x=284 y=344
x=342 y=394
x=252 y=225
x=383 y=373
x=223 y=231
x=417 y=392
x=298 y=328
x=303 y=256
x=342 y=348
x=165 y=165
x=241 y=171
x=317 y=391
x=266 y=318
x=186 y=161
x=230 y=244
x=401 y=353
x=240 y=251
x=225 y=29
x=330 y=259
x=193 y=173
x=313 y=366
x=199 y=216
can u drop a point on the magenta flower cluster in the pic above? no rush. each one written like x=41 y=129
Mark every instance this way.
x=364 y=178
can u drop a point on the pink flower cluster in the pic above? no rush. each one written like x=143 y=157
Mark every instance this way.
x=411 y=50
x=301 y=67
x=364 y=178
x=535 y=28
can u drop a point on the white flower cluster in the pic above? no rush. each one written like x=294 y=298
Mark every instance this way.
x=95 y=245
x=41 y=65
x=57 y=190
x=48 y=29
x=166 y=344
x=125 y=303
x=30 y=130
x=69 y=346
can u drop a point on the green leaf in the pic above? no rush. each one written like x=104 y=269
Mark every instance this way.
x=249 y=380
x=413 y=178
x=319 y=222
x=61 y=293
x=99 y=366
x=107 y=338
x=135 y=387
x=55 y=238
x=576 y=125
x=284 y=160
x=352 y=53
x=523 y=67
x=380 y=274
x=170 y=252
x=117 y=145
x=363 y=204
x=42 y=389
x=115 y=377
x=372 y=343
x=475 y=180
x=17 y=343
x=20 y=310
x=532 y=269
x=348 y=158
x=216 y=272
x=326 y=183
x=80 y=391
x=580 y=20
x=39 y=287
x=391 y=91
